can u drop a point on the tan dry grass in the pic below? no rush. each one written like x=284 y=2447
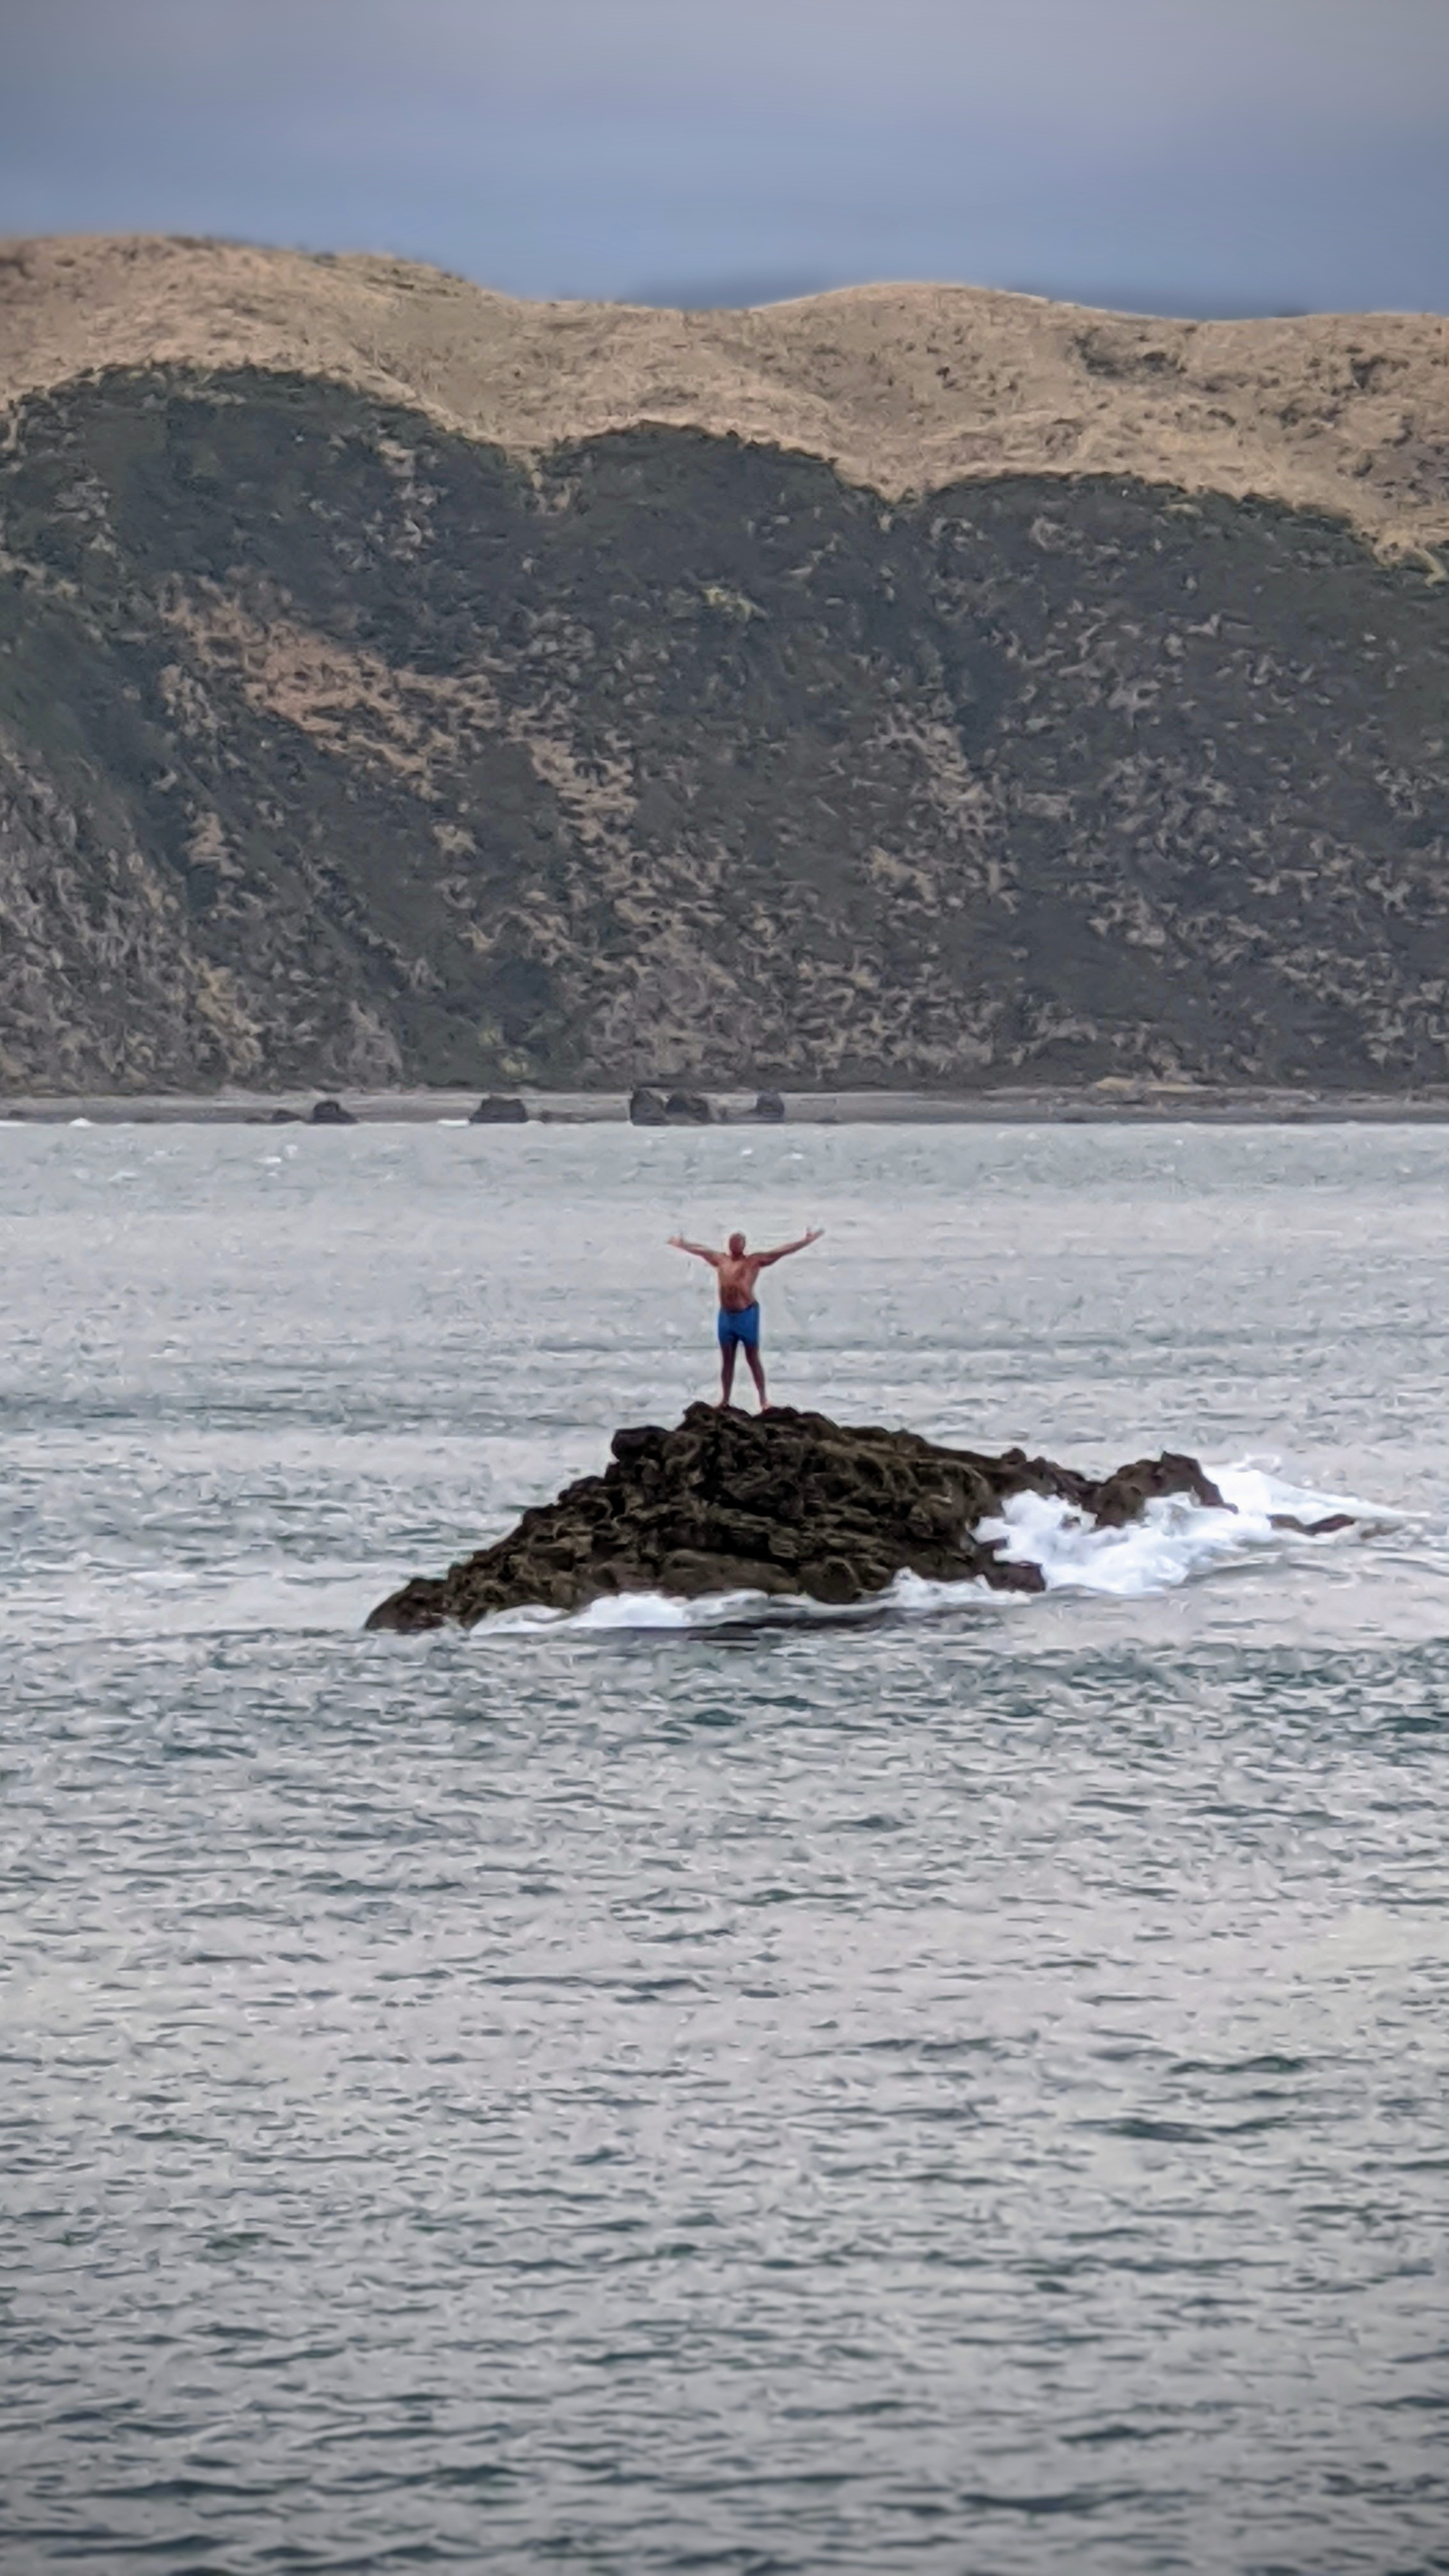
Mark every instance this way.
x=902 y=388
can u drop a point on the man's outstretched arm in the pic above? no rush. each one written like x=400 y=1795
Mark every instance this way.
x=782 y=1249
x=701 y=1251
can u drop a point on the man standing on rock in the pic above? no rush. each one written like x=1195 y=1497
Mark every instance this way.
x=739 y=1313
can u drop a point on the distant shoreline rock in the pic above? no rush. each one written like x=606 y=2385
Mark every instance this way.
x=781 y=1502
x=651 y=1108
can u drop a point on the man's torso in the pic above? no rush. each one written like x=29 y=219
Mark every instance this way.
x=737 y=1277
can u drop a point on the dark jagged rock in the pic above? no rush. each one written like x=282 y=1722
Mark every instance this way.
x=1124 y=1496
x=679 y=1109
x=769 y=1104
x=285 y=1118
x=330 y=1113
x=497 y=1111
x=1325 y=1528
x=782 y=1502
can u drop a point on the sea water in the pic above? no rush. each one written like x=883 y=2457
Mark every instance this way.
x=962 y=2089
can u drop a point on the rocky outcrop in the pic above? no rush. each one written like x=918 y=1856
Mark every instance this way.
x=499 y=1110
x=781 y=1502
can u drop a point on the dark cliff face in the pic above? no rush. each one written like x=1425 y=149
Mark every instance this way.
x=334 y=750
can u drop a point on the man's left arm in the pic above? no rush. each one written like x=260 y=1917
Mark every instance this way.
x=782 y=1251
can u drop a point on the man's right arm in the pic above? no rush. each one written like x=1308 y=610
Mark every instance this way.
x=701 y=1251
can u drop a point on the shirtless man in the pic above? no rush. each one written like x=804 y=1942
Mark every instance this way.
x=739 y=1313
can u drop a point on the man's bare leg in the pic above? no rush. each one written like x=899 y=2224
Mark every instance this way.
x=758 y=1374
x=729 y=1352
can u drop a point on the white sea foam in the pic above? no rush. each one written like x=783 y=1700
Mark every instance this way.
x=1176 y=1540
x=627 y=1610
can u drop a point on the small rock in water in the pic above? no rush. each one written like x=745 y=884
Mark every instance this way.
x=690 y=1108
x=779 y=1502
x=769 y=1104
x=330 y=1113
x=497 y=1110
x=646 y=1109
x=1124 y=1495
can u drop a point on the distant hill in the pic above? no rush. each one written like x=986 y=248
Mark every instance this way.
x=909 y=685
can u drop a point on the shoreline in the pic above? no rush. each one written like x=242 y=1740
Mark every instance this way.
x=1114 y=1105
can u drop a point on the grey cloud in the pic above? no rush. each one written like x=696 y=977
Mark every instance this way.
x=1218 y=153
x=1110 y=61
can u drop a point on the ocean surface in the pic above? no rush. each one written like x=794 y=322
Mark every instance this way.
x=963 y=2090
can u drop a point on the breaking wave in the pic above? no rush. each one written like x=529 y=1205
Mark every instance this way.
x=1176 y=1542
x=1176 y=1539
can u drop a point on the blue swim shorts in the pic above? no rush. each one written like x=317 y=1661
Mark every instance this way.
x=742 y=1327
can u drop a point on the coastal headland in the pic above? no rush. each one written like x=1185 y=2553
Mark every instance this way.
x=911 y=690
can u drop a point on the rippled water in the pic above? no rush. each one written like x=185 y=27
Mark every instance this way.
x=962 y=2093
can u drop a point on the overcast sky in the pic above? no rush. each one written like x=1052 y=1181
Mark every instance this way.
x=1183 y=155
